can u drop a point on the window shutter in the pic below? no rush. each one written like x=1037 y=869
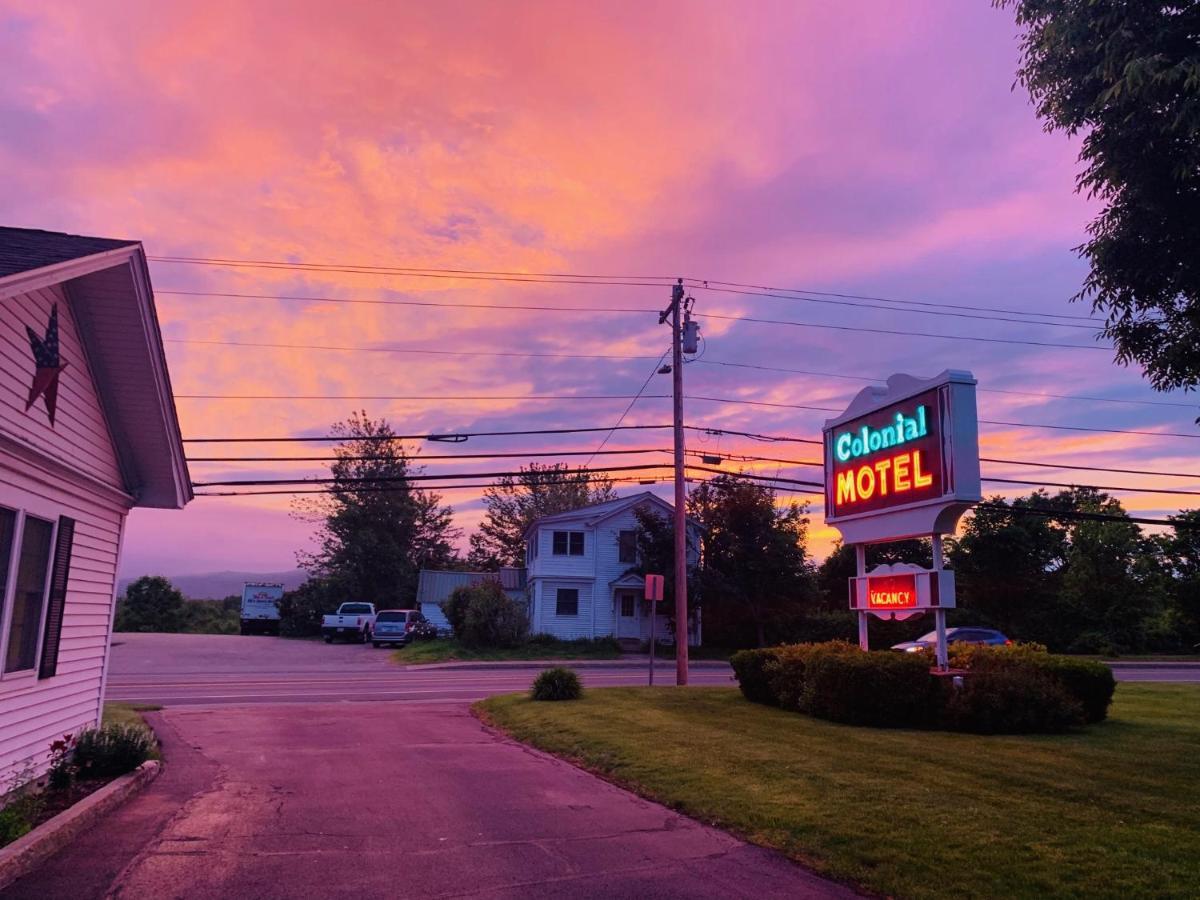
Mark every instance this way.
x=59 y=573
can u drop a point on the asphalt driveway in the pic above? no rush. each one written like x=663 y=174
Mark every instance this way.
x=392 y=799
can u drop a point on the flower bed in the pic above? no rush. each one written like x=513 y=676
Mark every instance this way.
x=1004 y=690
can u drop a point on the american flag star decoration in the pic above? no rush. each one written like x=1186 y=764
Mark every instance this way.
x=49 y=365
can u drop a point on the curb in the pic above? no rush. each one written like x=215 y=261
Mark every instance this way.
x=26 y=853
x=1151 y=664
x=639 y=664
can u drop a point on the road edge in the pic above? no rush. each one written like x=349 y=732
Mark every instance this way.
x=809 y=866
x=27 y=853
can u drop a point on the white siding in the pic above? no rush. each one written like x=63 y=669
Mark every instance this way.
x=565 y=627
x=80 y=437
x=35 y=712
x=63 y=473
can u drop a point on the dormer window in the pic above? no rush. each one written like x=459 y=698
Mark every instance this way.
x=568 y=543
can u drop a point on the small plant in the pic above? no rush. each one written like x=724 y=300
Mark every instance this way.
x=22 y=806
x=559 y=683
x=62 y=767
x=112 y=750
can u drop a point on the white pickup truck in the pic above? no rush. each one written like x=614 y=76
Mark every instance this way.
x=352 y=621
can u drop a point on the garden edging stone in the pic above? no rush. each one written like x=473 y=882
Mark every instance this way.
x=30 y=851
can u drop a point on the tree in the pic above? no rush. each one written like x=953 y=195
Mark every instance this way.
x=655 y=537
x=756 y=568
x=151 y=603
x=1181 y=552
x=300 y=611
x=375 y=528
x=1128 y=74
x=483 y=615
x=540 y=490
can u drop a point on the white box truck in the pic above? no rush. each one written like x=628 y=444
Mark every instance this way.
x=260 y=608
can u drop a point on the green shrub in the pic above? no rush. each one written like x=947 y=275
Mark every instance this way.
x=559 y=683
x=882 y=688
x=750 y=670
x=1017 y=700
x=22 y=805
x=542 y=639
x=482 y=615
x=1091 y=683
x=112 y=750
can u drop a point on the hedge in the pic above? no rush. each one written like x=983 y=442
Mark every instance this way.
x=1012 y=690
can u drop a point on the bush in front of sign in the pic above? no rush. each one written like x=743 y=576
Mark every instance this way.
x=1089 y=682
x=881 y=689
x=751 y=669
x=1015 y=700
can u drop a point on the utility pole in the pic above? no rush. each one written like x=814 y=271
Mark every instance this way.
x=681 y=609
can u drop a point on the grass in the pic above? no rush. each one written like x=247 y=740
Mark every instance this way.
x=450 y=650
x=1113 y=811
x=127 y=713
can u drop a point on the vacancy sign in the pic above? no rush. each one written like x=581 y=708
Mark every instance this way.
x=902 y=590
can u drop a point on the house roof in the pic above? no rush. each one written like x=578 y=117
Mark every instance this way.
x=107 y=284
x=436 y=585
x=600 y=511
x=26 y=249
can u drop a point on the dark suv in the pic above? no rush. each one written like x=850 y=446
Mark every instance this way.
x=395 y=626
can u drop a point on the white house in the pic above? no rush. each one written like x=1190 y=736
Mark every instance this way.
x=87 y=432
x=579 y=574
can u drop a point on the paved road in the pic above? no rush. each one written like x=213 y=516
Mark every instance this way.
x=183 y=669
x=391 y=800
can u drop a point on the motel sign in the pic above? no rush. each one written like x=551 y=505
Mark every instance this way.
x=903 y=462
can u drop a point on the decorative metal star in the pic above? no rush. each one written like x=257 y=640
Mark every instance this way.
x=49 y=365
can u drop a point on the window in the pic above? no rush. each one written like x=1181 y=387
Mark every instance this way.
x=567 y=602
x=627 y=546
x=568 y=543
x=28 y=598
x=628 y=605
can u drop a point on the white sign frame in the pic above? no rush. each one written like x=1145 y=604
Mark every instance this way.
x=959 y=426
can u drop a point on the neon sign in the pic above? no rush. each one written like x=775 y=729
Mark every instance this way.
x=890 y=457
x=892 y=592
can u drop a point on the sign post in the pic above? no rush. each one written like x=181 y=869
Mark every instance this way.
x=903 y=462
x=654 y=593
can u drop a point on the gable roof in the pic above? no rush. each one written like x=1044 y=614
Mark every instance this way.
x=26 y=249
x=107 y=284
x=597 y=512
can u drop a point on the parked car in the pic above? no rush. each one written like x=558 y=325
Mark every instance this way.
x=396 y=626
x=960 y=635
x=352 y=620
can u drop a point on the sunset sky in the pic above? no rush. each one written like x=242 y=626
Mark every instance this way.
x=864 y=148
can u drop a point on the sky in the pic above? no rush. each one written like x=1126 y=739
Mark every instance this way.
x=864 y=148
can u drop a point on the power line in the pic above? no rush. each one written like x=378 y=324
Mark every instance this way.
x=388 y=489
x=361 y=349
x=927 y=334
x=500 y=307
x=1098 y=487
x=1051 y=465
x=421 y=457
x=375 y=479
x=923 y=312
x=738 y=365
x=634 y=358
x=641 y=390
x=577 y=278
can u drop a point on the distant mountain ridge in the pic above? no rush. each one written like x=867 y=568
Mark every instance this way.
x=218 y=585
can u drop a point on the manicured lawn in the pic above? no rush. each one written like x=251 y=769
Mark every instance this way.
x=1113 y=811
x=451 y=650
